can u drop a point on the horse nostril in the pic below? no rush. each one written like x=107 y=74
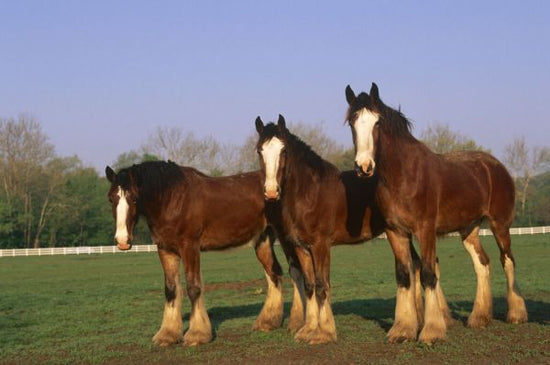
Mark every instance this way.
x=358 y=170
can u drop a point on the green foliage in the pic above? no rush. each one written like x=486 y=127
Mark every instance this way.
x=441 y=139
x=98 y=309
x=537 y=208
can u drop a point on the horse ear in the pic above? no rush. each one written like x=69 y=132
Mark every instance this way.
x=111 y=176
x=374 y=93
x=259 y=125
x=350 y=95
x=281 y=123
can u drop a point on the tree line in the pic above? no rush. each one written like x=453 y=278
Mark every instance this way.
x=48 y=200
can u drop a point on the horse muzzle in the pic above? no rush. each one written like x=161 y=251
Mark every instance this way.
x=365 y=170
x=272 y=194
x=123 y=244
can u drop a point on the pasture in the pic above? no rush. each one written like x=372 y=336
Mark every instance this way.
x=97 y=309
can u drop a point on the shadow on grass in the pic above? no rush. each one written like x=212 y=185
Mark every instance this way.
x=380 y=311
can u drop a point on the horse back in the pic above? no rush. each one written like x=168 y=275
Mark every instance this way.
x=488 y=175
x=219 y=212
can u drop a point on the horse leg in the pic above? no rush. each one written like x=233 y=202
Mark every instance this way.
x=405 y=325
x=441 y=297
x=271 y=315
x=170 y=331
x=326 y=331
x=312 y=307
x=435 y=326
x=297 y=314
x=419 y=303
x=517 y=313
x=482 y=312
x=200 y=329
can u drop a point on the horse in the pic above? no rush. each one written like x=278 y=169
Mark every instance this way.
x=317 y=206
x=188 y=212
x=424 y=194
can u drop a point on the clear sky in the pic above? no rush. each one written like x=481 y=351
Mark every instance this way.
x=100 y=76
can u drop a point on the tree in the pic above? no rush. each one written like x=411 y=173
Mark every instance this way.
x=130 y=158
x=48 y=185
x=523 y=164
x=83 y=214
x=24 y=151
x=184 y=148
x=440 y=139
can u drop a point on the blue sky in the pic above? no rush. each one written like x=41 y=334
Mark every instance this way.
x=100 y=76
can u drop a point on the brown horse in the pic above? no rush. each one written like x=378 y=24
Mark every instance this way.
x=188 y=212
x=425 y=194
x=316 y=206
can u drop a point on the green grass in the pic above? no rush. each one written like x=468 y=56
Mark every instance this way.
x=105 y=309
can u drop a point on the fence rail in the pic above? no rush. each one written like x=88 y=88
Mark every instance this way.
x=88 y=250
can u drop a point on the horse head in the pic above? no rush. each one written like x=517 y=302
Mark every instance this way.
x=272 y=154
x=123 y=196
x=363 y=116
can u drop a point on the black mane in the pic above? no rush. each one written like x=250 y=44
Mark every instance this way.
x=391 y=120
x=299 y=151
x=151 y=177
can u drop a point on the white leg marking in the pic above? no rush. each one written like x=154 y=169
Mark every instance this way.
x=517 y=312
x=483 y=304
x=171 y=329
x=271 y=315
x=435 y=327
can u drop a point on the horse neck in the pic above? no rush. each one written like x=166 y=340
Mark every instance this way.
x=300 y=167
x=394 y=152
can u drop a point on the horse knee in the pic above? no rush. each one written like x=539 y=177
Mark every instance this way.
x=170 y=291
x=402 y=275
x=321 y=291
x=428 y=276
x=309 y=289
x=194 y=292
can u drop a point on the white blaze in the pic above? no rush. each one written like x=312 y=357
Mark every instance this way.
x=364 y=125
x=122 y=208
x=271 y=152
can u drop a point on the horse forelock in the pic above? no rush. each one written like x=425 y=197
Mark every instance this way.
x=361 y=101
x=298 y=151
x=392 y=120
x=150 y=177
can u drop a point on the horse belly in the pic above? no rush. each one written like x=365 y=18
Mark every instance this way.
x=231 y=231
x=458 y=213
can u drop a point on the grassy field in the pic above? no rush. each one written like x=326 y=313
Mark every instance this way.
x=105 y=309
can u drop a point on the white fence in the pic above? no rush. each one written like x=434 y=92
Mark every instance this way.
x=88 y=250
x=84 y=250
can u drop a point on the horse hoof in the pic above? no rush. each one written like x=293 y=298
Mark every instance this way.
x=304 y=334
x=516 y=318
x=400 y=333
x=479 y=321
x=267 y=324
x=431 y=335
x=319 y=337
x=196 y=338
x=166 y=338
